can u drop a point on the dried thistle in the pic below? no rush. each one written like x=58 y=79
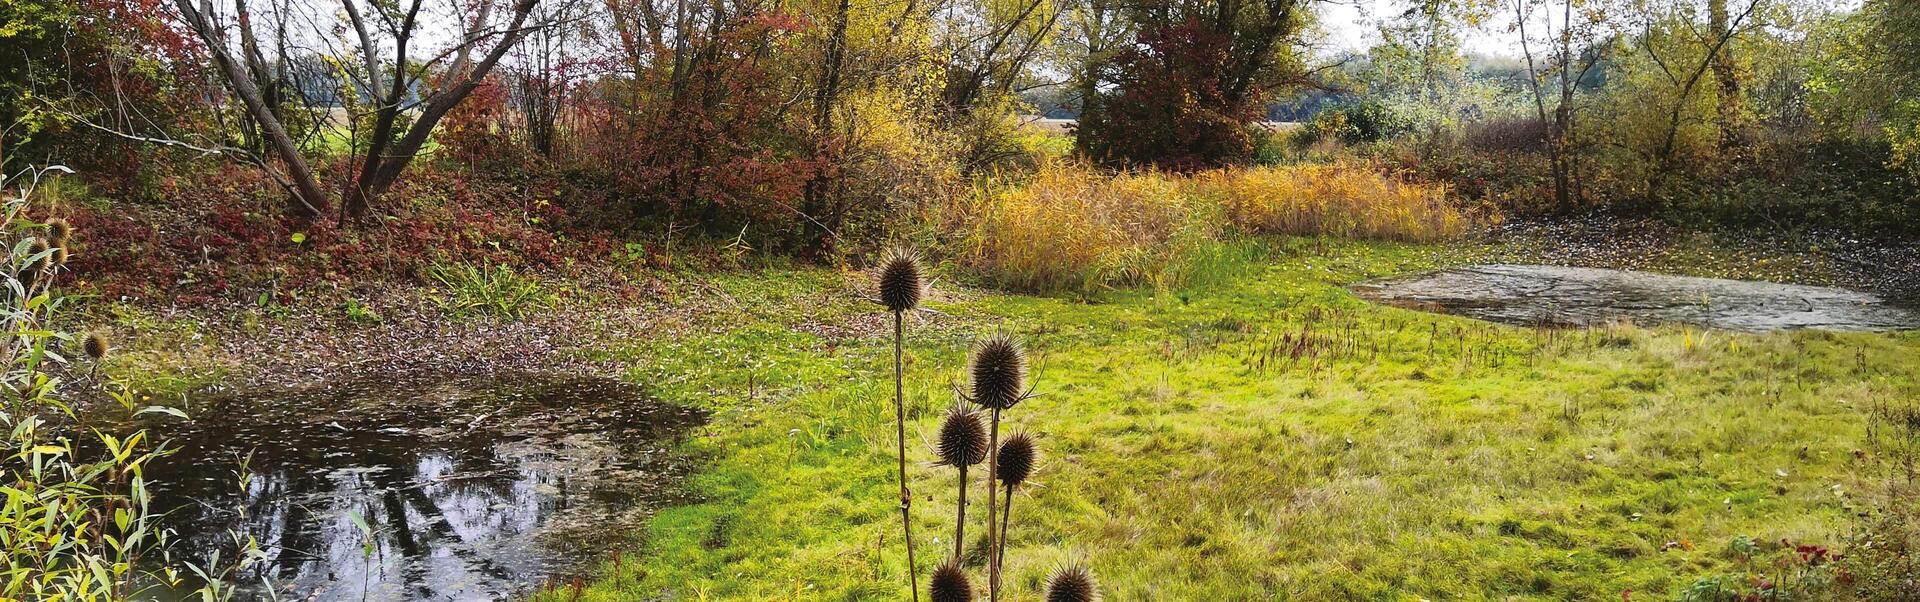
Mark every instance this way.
x=999 y=377
x=96 y=346
x=901 y=285
x=963 y=438
x=902 y=282
x=963 y=443
x=41 y=263
x=999 y=371
x=950 y=583
x=60 y=229
x=1072 y=584
x=1017 y=457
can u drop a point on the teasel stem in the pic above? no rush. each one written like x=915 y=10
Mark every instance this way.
x=900 y=425
x=960 y=520
x=1006 y=518
x=993 y=475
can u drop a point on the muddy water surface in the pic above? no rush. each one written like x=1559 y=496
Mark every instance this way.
x=1542 y=294
x=424 y=487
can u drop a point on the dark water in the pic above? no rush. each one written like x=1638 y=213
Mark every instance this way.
x=1541 y=294
x=423 y=487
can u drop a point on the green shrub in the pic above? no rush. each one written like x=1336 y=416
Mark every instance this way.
x=76 y=522
x=495 y=290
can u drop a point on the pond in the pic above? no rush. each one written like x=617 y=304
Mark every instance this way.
x=1558 y=295
x=423 y=487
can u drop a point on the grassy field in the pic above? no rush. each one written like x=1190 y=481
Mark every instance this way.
x=1268 y=436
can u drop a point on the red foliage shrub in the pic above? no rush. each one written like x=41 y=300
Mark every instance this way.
x=715 y=141
x=224 y=236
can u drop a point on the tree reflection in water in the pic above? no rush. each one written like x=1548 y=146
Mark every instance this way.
x=470 y=487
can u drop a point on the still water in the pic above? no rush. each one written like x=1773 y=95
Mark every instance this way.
x=423 y=487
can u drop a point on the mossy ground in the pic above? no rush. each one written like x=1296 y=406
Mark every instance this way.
x=1194 y=448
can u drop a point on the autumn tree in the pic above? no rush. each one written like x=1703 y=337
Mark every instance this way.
x=1562 y=41
x=1196 y=75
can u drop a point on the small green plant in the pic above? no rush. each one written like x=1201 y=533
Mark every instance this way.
x=495 y=290
x=359 y=312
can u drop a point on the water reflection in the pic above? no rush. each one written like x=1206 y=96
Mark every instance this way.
x=423 y=488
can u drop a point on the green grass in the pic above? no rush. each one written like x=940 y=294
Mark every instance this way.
x=1402 y=456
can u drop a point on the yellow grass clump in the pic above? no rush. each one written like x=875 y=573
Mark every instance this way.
x=1069 y=228
x=1075 y=228
x=1345 y=200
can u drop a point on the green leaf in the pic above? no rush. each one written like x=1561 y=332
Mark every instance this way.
x=299 y=237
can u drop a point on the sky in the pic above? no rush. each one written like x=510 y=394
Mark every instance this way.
x=1354 y=25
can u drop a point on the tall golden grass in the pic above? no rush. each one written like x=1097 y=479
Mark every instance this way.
x=1069 y=227
x=1346 y=200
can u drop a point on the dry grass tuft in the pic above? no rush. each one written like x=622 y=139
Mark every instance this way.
x=1345 y=200
x=1070 y=227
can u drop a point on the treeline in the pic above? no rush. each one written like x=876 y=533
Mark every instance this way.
x=808 y=121
x=801 y=117
x=1753 y=112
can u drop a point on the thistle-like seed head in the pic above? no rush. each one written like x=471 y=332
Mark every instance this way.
x=901 y=280
x=963 y=439
x=60 y=256
x=39 y=246
x=1017 y=457
x=96 y=346
x=60 y=229
x=1072 y=584
x=999 y=371
x=950 y=583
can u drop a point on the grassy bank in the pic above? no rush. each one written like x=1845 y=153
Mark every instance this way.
x=1194 y=447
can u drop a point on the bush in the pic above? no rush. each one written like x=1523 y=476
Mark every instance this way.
x=491 y=289
x=1069 y=228
x=77 y=522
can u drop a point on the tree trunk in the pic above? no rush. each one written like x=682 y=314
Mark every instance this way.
x=1724 y=71
x=384 y=163
x=308 y=199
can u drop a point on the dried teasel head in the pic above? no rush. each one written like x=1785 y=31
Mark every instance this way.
x=1017 y=457
x=60 y=229
x=60 y=256
x=950 y=583
x=999 y=372
x=963 y=438
x=902 y=281
x=1072 y=584
x=39 y=246
x=96 y=346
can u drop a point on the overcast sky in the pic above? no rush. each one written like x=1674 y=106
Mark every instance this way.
x=1354 y=25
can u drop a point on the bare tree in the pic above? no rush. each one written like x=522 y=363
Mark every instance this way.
x=989 y=52
x=205 y=23
x=409 y=97
x=1576 y=44
x=386 y=156
x=1686 y=79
